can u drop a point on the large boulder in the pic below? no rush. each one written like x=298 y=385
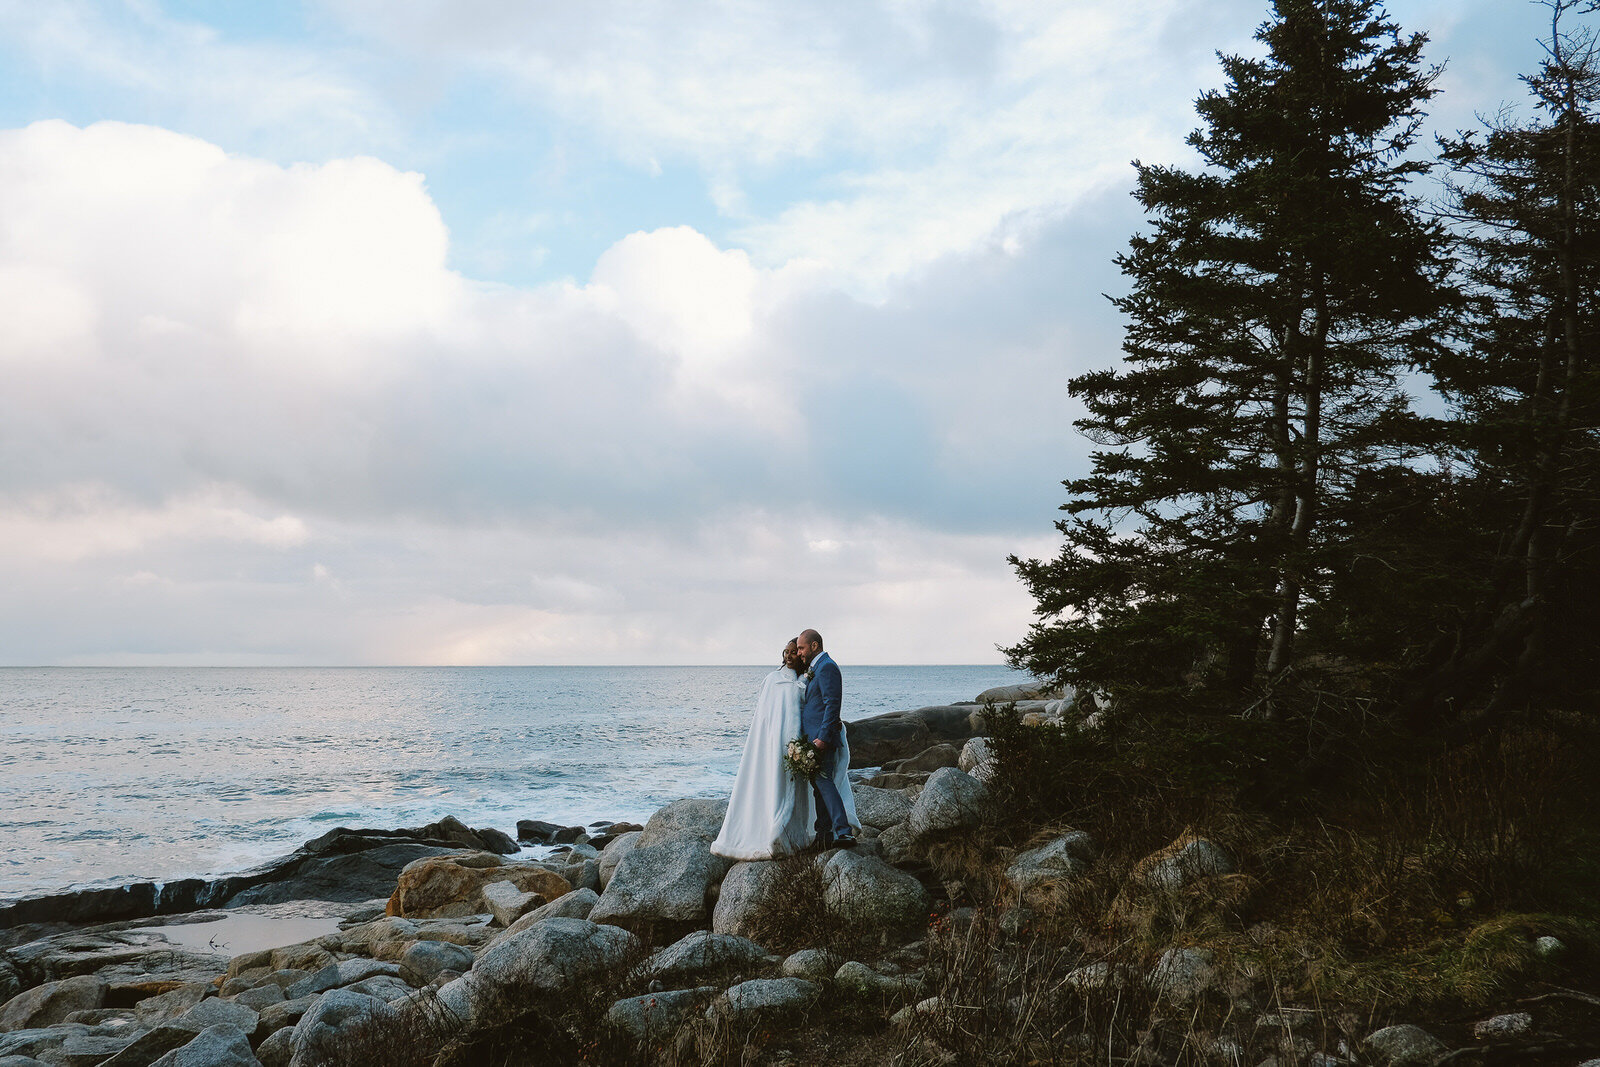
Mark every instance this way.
x=1008 y=694
x=979 y=759
x=553 y=955
x=931 y=758
x=950 y=800
x=865 y=890
x=448 y=832
x=654 y=1015
x=577 y=904
x=1182 y=863
x=329 y=1022
x=221 y=1045
x=452 y=886
x=50 y=1003
x=884 y=738
x=700 y=955
x=1055 y=861
x=507 y=903
x=612 y=856
x=880 y=808
x=764 y=1000
x=666 y=877
x=423 y=960
x=348 y=878
x=744 y=892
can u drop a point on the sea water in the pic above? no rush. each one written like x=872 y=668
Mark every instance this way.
x=110 y=775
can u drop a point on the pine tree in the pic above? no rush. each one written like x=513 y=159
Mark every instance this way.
x=1527 y=392
x=1282 y=292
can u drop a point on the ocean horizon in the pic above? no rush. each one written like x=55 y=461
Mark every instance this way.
x=112 y=774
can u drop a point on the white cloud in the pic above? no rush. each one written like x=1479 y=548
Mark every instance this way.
x=259 y=427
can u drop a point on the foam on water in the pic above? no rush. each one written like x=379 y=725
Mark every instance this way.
x=112 y=775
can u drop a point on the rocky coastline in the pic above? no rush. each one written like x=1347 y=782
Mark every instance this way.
x=428 y=934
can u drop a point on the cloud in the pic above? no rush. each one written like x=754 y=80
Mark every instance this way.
x=237 y=386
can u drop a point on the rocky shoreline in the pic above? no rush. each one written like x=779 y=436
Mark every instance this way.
x=429 y=932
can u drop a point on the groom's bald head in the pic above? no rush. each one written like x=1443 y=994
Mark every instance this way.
x=810 y=643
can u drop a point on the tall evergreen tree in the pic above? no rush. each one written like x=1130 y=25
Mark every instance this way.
x=1526 y=387
x=1280 y=295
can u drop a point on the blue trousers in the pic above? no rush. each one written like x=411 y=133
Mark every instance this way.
x=830 y=808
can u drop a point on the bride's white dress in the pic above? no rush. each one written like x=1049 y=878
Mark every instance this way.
x=770 y=814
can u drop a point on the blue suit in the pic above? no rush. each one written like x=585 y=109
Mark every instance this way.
x=819 y=719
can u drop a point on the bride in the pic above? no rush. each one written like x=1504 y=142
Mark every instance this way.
x=770 y=814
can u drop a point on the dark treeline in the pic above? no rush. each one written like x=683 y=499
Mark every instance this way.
x=1277 y=535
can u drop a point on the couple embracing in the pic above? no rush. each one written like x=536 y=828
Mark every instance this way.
x=772 y=812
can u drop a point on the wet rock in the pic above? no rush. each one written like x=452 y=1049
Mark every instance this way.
x=537 y=831
x=700 y=955
x=1404 y=1046
x=951 y=800
x=768 y=1001
x=654 y=1015
x=50 y=1003
x=217 y=1046
x=865 y=890
x=425 y=959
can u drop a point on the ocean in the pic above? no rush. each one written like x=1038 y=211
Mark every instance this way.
x=111 y=775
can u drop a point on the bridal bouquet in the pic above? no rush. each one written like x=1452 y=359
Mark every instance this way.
x=802 y=760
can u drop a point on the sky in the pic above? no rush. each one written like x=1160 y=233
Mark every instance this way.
x=482 y=331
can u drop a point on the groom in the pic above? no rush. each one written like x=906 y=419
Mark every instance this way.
x=819 y=718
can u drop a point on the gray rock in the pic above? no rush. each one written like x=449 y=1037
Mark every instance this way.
x=507 y=903
x=698 y=818
x=21 y=1061
x=1066 y=856
x=216 y=1046
x=1500 y=1027
x=1549 y=948
x=343 y=973
x=552 y=955
x=585 y=875
x=150 y=1046
x=327 y=1024
x=277 y=1048
x=275 y=1017
x=612 y=856
x=1404 y=1046
x=764 y=1000
x=10 y=980
x=664 y=880
x=349 y=879
x=213 y=1012
x=880 y=808
x=860 y=981
x=577 y=904
x=424 y=959
x=92 y=1048
x=978 y=758
x=884 y=738
x=866 y=890
x=811 y=963
x=1009 y=694
x=1181 y=974
x=1183 y=863
x=258 y=997
x=164 y=1007
x=654 y=1015
x=744 y=891
x=385 y=987
x=701 y=954
x=951 y=800
x=897 y=845
x=1102 y=976
x=929 y=759
x=52 y=1002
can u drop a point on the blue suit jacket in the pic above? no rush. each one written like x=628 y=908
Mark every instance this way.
x=819 y=715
